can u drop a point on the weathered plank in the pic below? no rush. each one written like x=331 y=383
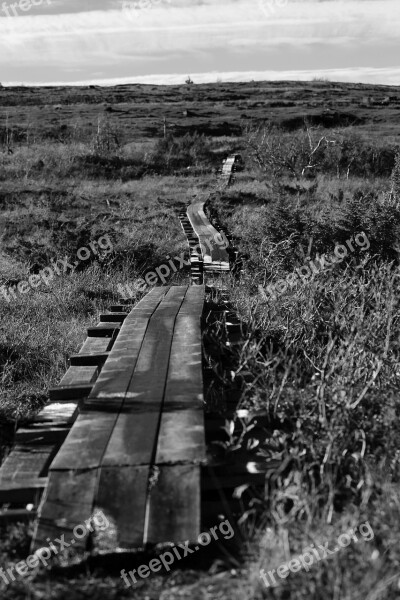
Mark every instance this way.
x=76 y=383
x=107 y=330
x=146 y=389
x=17 y=515
x=193 y=303
x=181 y=435
x=26 y=462
x=133 y=441
x=96 y=345
x=80 y=375
x=207 y=235
x=122 y=497
x=174 y=504
x=57 y=413
x=86 y=442
x=69 y=392
x=66 y=503
x=118 y=308
x=113 y=317
x=22 y=492
x=41 y=435
x=88 y=360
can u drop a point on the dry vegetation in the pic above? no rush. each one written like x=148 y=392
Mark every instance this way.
x=319 y=364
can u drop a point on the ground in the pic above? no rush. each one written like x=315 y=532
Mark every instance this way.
x=317 y=361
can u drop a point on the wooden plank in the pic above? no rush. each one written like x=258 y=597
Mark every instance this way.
x=117 y=371
x=177 y=491
x=48 y=435
x=86 y=442
x=57 y=413
x=174 y=505
x=107 y=330
x=131 y=448
x=67 y=502
x=110 y=324
x=89 y=359
x=79 y=375
x=118 y=308
x=96 y=345
x=193 y=303
x=17 y=515
x=133 y=439
x=22 y=492
x=207 y=234
x=185 y=378
x=181 y=437
x=45 y=426
x=122 y=497
x=77 y=464
x=25 y=462
x=88 y=439
x=146 y=388
x=70 y=392
x=113 y=317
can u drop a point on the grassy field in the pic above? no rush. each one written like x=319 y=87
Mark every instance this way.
x=318 y=359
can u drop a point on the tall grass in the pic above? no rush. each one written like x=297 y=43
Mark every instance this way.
x=321 y=367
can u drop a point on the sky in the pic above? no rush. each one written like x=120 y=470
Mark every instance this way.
x=162 y=41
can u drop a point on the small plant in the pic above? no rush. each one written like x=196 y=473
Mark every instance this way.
x=394 y=194
x=8 y=137
x=106 y=141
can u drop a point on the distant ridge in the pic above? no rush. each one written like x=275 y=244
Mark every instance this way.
x=376 y=76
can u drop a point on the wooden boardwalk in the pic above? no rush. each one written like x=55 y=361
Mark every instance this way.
x=215 y=256
x=208 y=245
x=136 y=448
x=124 y=430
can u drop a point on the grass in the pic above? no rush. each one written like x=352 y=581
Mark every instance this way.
x=318 y=364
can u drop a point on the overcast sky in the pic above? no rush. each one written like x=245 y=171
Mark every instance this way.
x=162 y=41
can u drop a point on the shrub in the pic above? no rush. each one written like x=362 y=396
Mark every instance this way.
x=310 y=151
x=395 y=180
x=171 y=153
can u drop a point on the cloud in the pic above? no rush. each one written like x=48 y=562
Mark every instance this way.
x=117 y=37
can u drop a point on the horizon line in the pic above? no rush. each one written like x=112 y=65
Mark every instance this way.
x=386 y=76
